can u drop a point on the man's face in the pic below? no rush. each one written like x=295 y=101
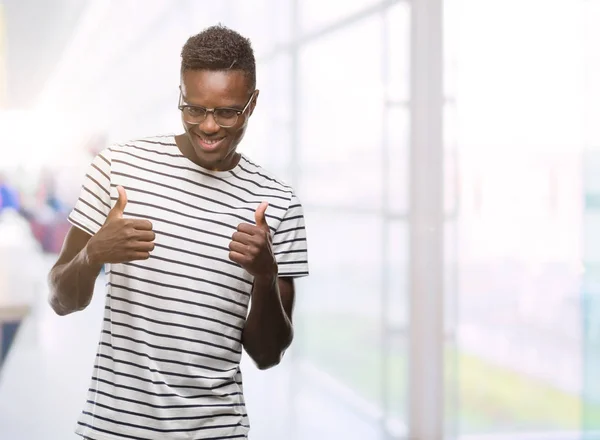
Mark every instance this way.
x=214 y=145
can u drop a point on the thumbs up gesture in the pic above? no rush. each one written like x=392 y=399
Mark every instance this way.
x=121 y=240
x=251 y=246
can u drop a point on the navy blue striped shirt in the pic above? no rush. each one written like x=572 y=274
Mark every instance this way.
x=167 y=364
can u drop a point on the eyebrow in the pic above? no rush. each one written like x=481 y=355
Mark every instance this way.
x=230 y=107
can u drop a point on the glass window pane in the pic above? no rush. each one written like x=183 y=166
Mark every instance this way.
x=340 y=308
x=518 y=298
x=396 y=306
x=520 y=222
x=269 y=26
x=451 y=39
x=395 y=347
x=592 y=72
x=315 y=14
x=397 y=159
x=340 y=121
x=396 y=385
x=398 y=52
x=591 y=276
x=451 y=382
x=451 y=157
x=268 y=139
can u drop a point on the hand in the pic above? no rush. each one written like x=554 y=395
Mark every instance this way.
x=121 y=240
x=251 y=246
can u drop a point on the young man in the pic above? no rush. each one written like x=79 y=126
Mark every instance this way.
x=201 y=247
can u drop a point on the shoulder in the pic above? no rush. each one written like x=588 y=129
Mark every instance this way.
x=263 y=177
x=153 y=144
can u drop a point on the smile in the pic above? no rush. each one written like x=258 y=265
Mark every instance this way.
x=208 y=144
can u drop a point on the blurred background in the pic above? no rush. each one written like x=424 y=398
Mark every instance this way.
x=447 y=153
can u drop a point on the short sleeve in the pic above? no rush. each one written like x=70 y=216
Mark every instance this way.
x=289 y=242
x=92 y=207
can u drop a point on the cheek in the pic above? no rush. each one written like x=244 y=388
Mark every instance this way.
x=237 y=136
x=186 y=127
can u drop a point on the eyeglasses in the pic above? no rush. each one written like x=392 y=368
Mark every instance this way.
x=225 y=117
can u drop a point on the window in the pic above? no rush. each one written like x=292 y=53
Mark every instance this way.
x=340 y=87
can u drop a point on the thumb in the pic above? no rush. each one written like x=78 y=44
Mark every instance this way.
x=119 y=207
x=259 y=215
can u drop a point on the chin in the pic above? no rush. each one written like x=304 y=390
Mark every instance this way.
x=213 y=157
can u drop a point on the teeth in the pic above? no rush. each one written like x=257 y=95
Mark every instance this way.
x=211 y=141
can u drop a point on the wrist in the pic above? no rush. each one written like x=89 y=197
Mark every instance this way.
x=266 y=279
x=90 y=258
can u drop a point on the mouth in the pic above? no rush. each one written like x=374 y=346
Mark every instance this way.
x=208 y=144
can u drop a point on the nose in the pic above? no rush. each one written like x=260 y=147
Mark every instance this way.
x=209 y=125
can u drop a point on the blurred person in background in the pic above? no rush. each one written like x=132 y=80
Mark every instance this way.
x=201 y=248
x=9 y=196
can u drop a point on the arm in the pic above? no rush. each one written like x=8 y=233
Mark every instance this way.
x=268 y=331
x=72 y=278
x=118 y=240
x=274 y=261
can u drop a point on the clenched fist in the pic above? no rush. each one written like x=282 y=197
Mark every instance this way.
x=121 y=240
x=251 y=246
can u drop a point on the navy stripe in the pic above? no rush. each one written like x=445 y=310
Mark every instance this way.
x=293 y=240
x=293 y=274
x=162 y=153
x=154 y=370
x=181 y=301
x=167 y=361
x=146 y=306
x=139 y=402
x=100 y=171
x=166 y=336
x=207 y=269
x=189 y=205
x=175 y=287
x=106 y=431
x=190 y=240
x=81 y=213
x=271 y=179
x=167 y=348
x=85 y=202
x=303 y=262
x=295 y=251
x=158 y=382
x=104 y=158
x=80 y=226
x=299 y=228
x=157 y=142
x=97 y=183
x=191 y=228
x=195 y=170
x=150 y=393
x=180 y=275
x=184 y=179
x=132 y=425
x=172 y=324
x=86 y=189
x=197 y=254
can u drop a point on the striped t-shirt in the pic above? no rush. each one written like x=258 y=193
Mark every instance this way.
x=167 y=365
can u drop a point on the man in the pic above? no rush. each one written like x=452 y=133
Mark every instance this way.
x=189 y=231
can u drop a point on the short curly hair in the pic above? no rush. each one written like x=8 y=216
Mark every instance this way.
x=219 y=48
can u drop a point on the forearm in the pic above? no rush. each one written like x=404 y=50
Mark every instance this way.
x=268 y=330
x=72 y=284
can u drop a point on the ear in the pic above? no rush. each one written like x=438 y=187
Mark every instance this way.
x=253 y=103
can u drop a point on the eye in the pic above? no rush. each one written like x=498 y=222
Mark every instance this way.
x=227 y=113
x=195 y=111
